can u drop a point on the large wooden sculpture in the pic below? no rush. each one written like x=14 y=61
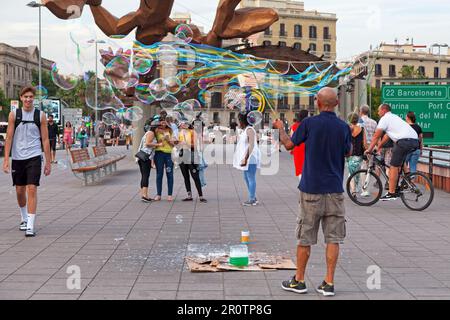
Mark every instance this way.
x=153 y=22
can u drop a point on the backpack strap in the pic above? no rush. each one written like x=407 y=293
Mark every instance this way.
x=37 y=118
x=18 y=118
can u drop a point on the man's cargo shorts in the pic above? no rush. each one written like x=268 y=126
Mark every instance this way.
x=314 y=208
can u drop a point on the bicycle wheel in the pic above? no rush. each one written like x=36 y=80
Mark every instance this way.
x=417 y=191
x=364 y=189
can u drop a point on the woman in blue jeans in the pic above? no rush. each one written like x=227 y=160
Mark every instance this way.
x=247 y=157
x=163 y=158
x=413 y=158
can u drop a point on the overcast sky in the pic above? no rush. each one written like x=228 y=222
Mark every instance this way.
x=361 y=23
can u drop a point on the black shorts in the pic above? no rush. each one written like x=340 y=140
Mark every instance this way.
x=26 y=172
x=401 y=149
x=52 y=144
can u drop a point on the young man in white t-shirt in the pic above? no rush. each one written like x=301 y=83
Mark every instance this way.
x=405 y=141
x=26 y=140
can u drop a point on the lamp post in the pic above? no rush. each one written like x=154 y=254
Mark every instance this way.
x=34 y=4
x=96 y=85
x=437 y=45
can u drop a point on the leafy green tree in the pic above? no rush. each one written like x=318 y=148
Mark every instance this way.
x=410 y=72
x=4 y=103
x=375 y=99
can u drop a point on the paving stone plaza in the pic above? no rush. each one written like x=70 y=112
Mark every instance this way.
x=126 y=249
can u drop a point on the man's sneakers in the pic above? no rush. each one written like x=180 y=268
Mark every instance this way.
x=389 y=197
x=23 y=226
x=294 y=286
x=30 y=233
x=326 y=289
x=249 y=203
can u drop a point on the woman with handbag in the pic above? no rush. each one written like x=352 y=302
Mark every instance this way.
x=190 y=161
x=144 y=159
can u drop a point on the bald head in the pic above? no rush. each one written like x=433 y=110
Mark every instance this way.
x=327 y=99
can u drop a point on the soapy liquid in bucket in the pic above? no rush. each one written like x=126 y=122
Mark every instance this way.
x=239 y=256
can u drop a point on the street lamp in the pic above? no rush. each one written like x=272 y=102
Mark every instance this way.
x=96 y=85
x=437 y=45
x=34 y=4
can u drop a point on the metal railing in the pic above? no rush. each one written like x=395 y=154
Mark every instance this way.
x=435 y=157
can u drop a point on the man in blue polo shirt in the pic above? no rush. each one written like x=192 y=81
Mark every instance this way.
x=327 y=142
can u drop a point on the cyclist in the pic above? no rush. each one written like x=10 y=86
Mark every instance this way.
x=405 y=141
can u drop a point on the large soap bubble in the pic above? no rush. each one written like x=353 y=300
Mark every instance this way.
x=158 y=89
x=184 y=33
x=142 y=92
x=133 y=114
x=63 y=79
x=109 y=118
x=142 y=62
x=173 y=84
x=254 y=118
x=119 y=73
x=41 y=93
x=169 y=102
x=106 y=97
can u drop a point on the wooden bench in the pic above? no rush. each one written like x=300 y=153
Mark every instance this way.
x=93 y=169
x=101 y=154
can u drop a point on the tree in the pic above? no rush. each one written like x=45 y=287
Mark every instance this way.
x=47 y=82
x=375 y=102
x=4 y=103
x=410 y=72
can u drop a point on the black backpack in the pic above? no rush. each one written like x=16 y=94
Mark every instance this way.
x=36 y=120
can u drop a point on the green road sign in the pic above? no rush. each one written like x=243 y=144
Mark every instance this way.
x=430 y=103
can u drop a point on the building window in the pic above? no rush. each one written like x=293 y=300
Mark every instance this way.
x=216 y=100
x=216 y=118
x=298 y=46
x=268 y=32
x=392 y=72
x=282 y=44
x=283 y=30
x=267 y=43
x=378 y=70
x=266 y=117
x=448 y=72
x=421 y=70
x=232 y=117
x=378 y=84
x=282 y=117
x=327 y=48
x=298 y=31
x=326 y=33
x=283 y=101
x=436 y=72
x=313 y=32
x=312 y=99
x=297 y=101
x=312 y=47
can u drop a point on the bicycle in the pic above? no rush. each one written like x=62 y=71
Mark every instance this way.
x=364 y=187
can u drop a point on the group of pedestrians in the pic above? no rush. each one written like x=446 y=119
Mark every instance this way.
x=163 y=140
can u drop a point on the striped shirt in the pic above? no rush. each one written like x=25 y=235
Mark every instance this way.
x=370 y=126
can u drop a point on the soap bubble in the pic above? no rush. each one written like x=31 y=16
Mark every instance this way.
x=184 y=33
x=106 y=97
x=142 y=62
x=133 y=114
x=63 y=79
x=169 y=102
x=186 y=110
x=119 y=74
x=41 y=93
x=173 y=85
x=158 y=89
x=194 y=103
x=234 y=98
x=62 y=164
x=167 y=54
x=109 y=118
x=142 y=92
x=254 y=118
